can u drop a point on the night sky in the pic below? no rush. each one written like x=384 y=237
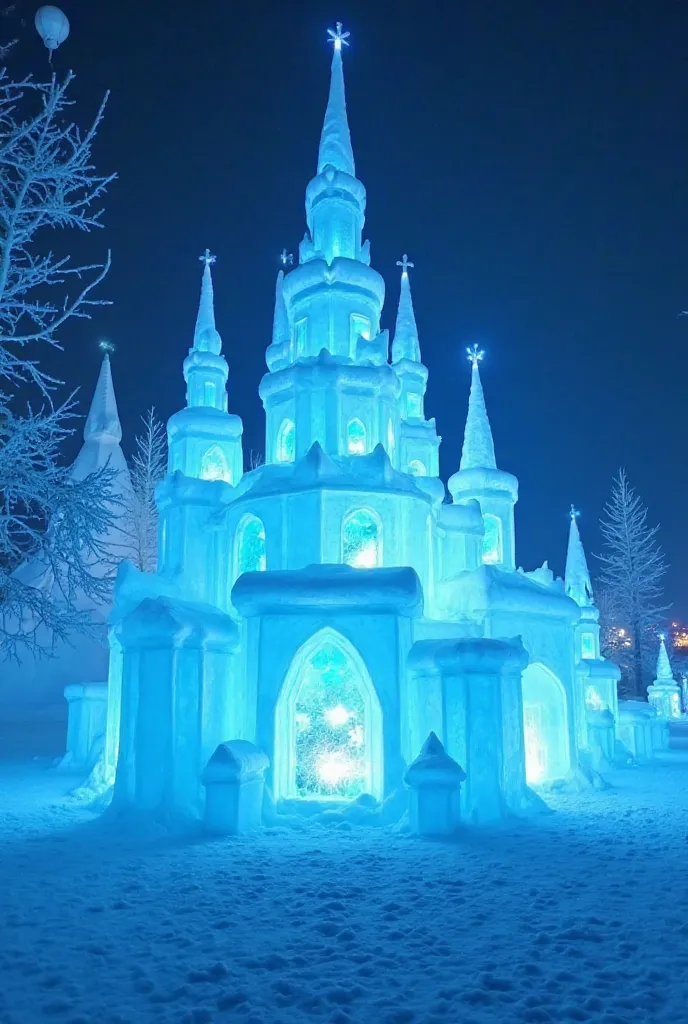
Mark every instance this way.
x=529 y=157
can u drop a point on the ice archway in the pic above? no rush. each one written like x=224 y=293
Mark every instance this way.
x=328 y=724
x=545 y=724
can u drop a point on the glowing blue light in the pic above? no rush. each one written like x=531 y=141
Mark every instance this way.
x=362 y=540
x=356 y=437
x=250 y=546
x=475 y=356
x=337 y=37
x=492 y=541
x=214 y=465
x=286 y=442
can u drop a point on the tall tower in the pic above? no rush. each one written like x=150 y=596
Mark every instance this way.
x=204 y=439
x=330 y=380
x=495 y=491
x=419 y=443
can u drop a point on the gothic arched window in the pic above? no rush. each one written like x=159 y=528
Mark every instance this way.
x=249 y=546
x=214 y=465
x=417 y=468
x=285 y=447
x=492 y=541
x=362 y=539
x=355 y=437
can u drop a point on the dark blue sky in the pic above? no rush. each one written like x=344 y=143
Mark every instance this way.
x=530 y=158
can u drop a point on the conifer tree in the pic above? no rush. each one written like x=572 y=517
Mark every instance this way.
x=632 y=569
x=148 y=467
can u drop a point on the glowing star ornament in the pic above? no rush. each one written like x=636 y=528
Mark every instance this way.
x=286 y=258
x=106 y=346
x=405 y=264
x=475 y=355
x=52 y=25
x=337 y=37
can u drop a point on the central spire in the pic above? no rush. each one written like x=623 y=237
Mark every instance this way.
x=406 y=344
x=478 y=447
x=335 y=140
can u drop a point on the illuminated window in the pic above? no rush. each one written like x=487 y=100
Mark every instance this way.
x=355 y=437
x=328 y=725
x=362 y=540
x=286 y=442
x=301 y=336
x=414 y=406
x=249 y=546
x=492 y=541
x=209 y=393
x=588 y=646
x=214 y=465
x=416 y=468
x=360 y=328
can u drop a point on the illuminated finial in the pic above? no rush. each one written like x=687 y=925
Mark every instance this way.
x=106 y=346
x=662 y=636
x=337 y=37
x=404 y=263
x=207 y=258
x=286 y=258
x=573 y=512
x=475 y=356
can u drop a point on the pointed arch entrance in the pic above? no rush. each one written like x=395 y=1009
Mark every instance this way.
x=545 y=725
x=328 y=724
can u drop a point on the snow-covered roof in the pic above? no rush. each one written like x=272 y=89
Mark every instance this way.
x=333 y=587
x=477 y=592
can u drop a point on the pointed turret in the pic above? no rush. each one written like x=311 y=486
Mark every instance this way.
x=478 y=447
x=665 y=693
x=102 y=422
x=280 y=321
x=405 y=344
x=335 y=139
x=664 y=673
x=205 y=369
x=577 y=576
x=206 y=337
x=479 y=479
x=204 y=440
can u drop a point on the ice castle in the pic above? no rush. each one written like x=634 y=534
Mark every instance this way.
x=335 y=605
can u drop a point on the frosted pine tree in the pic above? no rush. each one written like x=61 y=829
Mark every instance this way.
x=632 y=570
x=147 y=468
x=47 y=182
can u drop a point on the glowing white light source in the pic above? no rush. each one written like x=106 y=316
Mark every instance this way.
x=333 y=766
x=337 y=716
x=362 y=540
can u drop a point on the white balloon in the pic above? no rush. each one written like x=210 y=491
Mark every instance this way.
x=52 y=26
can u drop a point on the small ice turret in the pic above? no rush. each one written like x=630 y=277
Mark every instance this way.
x=479 y=478
x=664 y=694
x=577 y=576
x=204 y=439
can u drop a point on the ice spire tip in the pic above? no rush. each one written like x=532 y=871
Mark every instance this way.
x=207 y=258
x=405 y=264
x=475 y=356
x=337 y=37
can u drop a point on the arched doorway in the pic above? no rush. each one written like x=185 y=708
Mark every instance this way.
x=545 y=725
x=328 y=724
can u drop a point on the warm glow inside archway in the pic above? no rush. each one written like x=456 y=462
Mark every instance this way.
x=328 y=725
x=545 y=725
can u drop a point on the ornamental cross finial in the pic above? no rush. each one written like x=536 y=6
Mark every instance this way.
x=207 y=258
x=475 y=356
x=106 y=346
x=338 y=37
x=573 y=512
x=405 y=263
x=286 y=258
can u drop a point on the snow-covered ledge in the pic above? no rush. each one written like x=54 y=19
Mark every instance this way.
x=87 y=715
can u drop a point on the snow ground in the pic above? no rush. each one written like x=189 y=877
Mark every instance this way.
x=581 y=915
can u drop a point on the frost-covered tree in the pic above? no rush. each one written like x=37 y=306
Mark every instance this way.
x=47 y=182
x=148 y=466
x=632 y=569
